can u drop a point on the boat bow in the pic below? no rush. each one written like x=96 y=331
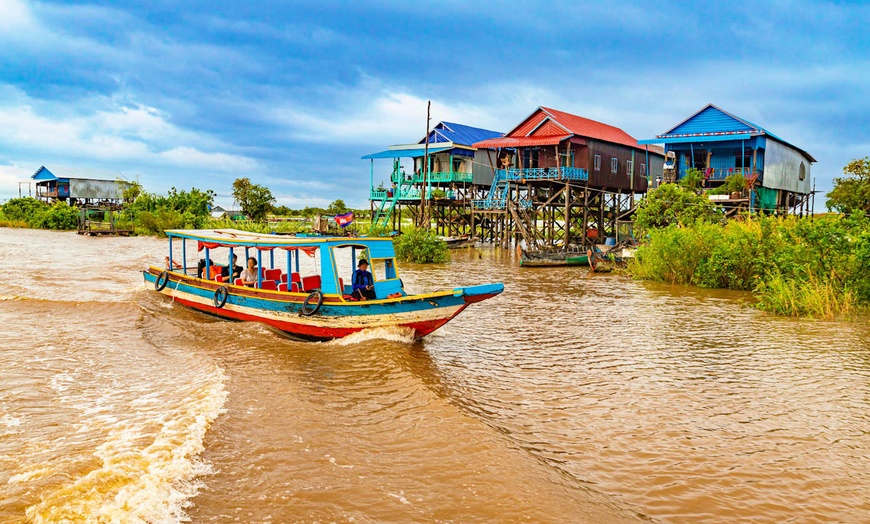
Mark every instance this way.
x=479 y=293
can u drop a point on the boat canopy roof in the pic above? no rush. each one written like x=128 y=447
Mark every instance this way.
x=214 y=238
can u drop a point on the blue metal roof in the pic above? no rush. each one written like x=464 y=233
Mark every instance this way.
x=712 y=124
x=404 y=153
x=79 y=173
x=459 y=134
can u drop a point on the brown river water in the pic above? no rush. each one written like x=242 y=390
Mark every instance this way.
x=569 y=398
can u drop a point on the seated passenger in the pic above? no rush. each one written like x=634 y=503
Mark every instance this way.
x=236 y=269
x=249 y=275
x=362 y=282
x=213 y=268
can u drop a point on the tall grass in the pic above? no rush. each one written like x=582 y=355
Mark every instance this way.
x=796 y=267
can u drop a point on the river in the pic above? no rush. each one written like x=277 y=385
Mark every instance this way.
x=568 y=398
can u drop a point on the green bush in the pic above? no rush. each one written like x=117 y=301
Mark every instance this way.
x=795 y=266
x=421 y=246
x=672 y=204
x=30 y=212
x=59 y=216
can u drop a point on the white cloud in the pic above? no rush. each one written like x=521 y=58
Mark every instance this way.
x=193 y=158
x=16 y=17
x=116 y=135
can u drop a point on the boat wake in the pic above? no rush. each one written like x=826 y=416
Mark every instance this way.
x=393 y=334
x=147 y=470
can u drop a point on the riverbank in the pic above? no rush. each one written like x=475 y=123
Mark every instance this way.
x=815 y=267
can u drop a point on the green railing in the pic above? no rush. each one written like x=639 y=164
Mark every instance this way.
x=437 y=177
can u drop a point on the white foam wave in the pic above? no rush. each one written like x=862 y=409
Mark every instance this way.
x=139 y=483
x=395 y=334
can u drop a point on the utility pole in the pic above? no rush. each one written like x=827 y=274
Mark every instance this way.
x=424 y=202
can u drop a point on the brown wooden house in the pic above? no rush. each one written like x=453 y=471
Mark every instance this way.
x=555 y=142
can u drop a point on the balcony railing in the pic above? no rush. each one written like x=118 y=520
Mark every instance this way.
x=721 y=173
x=544 y=173
x=436 y=177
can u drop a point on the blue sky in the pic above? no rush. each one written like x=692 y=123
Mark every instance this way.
x=292 y=94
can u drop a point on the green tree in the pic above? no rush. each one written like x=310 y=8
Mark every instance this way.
x=672 y=204
x=851 y=194
x=337 y=208
x=254 y=199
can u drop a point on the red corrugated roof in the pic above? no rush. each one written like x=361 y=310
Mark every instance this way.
x=522 y=141
x=553 y=124
x=590 y=128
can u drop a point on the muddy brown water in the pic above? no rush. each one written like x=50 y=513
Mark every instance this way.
x=568 y=398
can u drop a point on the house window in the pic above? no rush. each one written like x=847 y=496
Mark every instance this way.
x=614 y=165
x=598 y=162
x=629 y=166
x=642 y=169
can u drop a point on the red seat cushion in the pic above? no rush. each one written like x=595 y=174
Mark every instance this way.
x=239 y=282
x=282 y=286
x=272 y=274
x=284 y=277
x=268 y=284
x=311 y=282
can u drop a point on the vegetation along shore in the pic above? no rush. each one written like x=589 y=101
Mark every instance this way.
x=797 y=266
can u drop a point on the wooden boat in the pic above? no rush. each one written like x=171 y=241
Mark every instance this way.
x=460 y=241
x=316 y=306
x=553 y=258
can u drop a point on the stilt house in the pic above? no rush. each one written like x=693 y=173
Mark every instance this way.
x=457 y=173
x=776 y=173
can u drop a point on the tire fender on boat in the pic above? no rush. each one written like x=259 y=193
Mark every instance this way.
x=220 y=296
x=307 y=308
x=162 y=280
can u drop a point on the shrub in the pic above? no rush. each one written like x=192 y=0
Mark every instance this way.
x=672 y=204
x=59 y=216
x=421 y=246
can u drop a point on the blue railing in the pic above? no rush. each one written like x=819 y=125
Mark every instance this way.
x=544 y=173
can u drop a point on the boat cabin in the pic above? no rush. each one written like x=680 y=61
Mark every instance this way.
x=286 y=264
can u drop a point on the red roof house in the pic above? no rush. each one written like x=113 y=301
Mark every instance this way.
x=549 y=138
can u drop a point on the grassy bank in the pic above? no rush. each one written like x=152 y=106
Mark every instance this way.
x=797 y=267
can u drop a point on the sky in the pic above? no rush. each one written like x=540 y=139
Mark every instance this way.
x=291 y=94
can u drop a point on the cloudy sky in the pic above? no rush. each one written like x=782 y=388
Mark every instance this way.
x=292 y=94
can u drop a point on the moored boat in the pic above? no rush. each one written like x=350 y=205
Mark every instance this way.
x=553 y=258
x=300 y=286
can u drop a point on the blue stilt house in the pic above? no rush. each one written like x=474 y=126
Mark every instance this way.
x=720 y=145
x=457 y=173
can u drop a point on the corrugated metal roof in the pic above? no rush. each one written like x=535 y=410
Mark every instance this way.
x=404 y=153
x=522 y=141
x=459 y=134
x=78 y=173
x=711 y=122
x=547 y=120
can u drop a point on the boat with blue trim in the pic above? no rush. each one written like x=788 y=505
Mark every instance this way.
x=299 y=285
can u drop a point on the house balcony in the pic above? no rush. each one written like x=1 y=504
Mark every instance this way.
x=436 y=177
x=721 y=173
x=544 y=173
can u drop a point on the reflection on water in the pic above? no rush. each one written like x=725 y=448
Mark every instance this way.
x=568 y=398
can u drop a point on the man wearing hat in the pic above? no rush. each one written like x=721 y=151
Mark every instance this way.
x=363 y=283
